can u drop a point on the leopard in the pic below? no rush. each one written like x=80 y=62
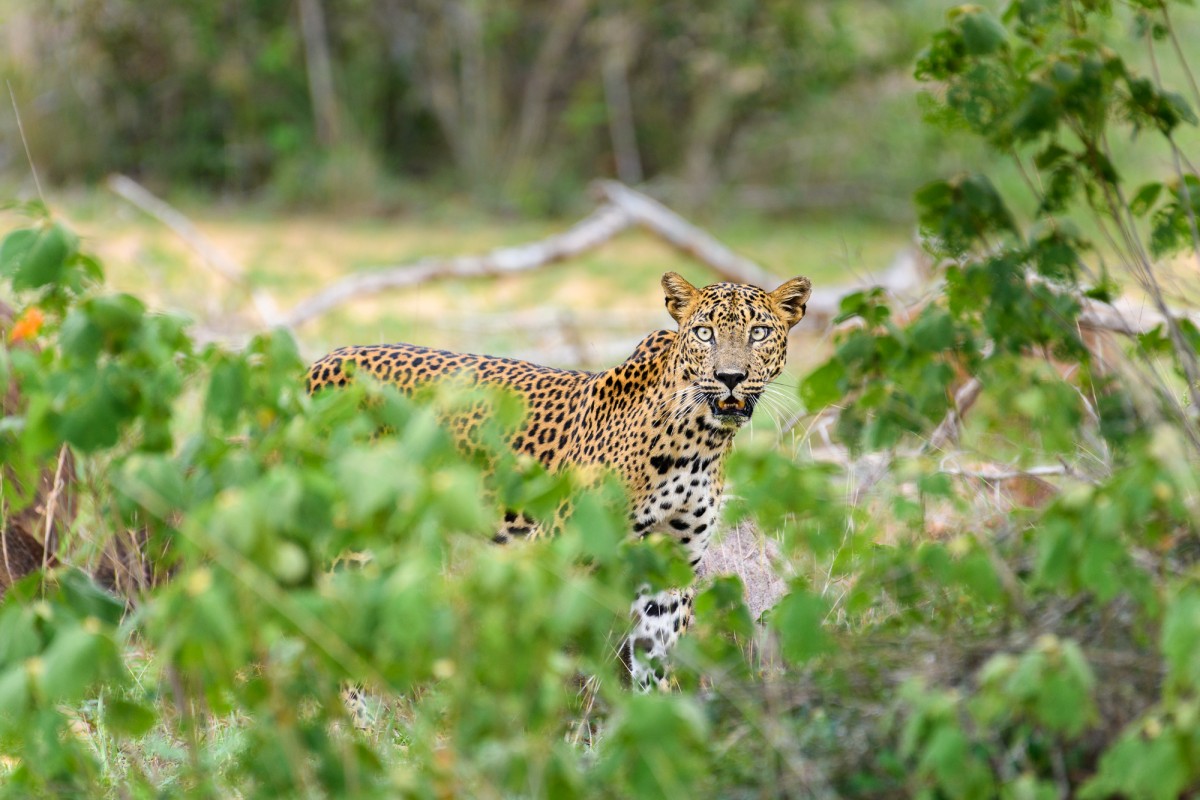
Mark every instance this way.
x=663 y=421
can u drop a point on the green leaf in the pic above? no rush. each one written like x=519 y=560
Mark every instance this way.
x=227 y=391
x=129 y=719
x=937 y=484
x=92 y=420
x=934 y=330
x=799 y=620
x=81 y=594
x=79 y=337
x=1144 y=199
x=823 y=386
x=982 y=33
x=869 y=304
x=959 y=213
x=45 y=258
x=1050 y=155
x=156 y=483
x=371 y=478
x=1181 y=640
x=1156 y=769
x=948 y=758
x=1171 y=225
x=725 y=598
x=599 y=531
x=14 y=248
x=14 y=695
x=977 y=574
x=19 y=638
x=1038 y=113
x=658 y=746
x=73 y=662
x=117 y=316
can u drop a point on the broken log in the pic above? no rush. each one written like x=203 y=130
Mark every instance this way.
x=587 y=234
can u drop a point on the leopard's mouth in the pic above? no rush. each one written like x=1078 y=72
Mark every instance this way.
x=730 y=409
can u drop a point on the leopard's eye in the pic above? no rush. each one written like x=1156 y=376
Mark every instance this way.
x=759 y=332
x=704 y=333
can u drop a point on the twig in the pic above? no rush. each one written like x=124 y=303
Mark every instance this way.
x=947 y=430
x=1011 y=474
x=9 y=575
x=213 y=258
x=590 y=232
x=21 y=130
x=51 y=505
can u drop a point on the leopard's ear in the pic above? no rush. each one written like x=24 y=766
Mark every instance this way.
x=679 y=293
x=791 y=299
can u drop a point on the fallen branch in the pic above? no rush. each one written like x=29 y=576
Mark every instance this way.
x=587 y=234
x=1122 y=316
x=994 y=474
x=683 y=235
x=624 y=208
x=212 y=257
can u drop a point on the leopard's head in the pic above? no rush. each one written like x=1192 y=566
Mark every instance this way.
x=732 y=340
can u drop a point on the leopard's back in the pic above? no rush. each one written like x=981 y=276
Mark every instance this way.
x=555 y=400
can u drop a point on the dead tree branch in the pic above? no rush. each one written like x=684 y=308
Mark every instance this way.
x=212 y=257
x=683 y=235
x=1122 y=316
x=624 y=208
x=994 y=473
x=591 y=232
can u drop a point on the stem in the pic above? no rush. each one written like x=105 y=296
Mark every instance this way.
x=1184 y=191
x=1118 y=209
x=1187 y=70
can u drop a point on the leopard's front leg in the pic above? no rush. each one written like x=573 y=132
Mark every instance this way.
x=659 y=619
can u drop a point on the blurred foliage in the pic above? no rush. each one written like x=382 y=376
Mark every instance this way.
x=507 y=99
x=257 y=506
x=1043 y=85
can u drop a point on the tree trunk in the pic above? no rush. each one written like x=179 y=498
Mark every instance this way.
x=326 y=113
x=547 y=65
x=621 y=42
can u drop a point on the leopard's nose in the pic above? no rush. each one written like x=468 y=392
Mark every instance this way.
x=731 y=378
